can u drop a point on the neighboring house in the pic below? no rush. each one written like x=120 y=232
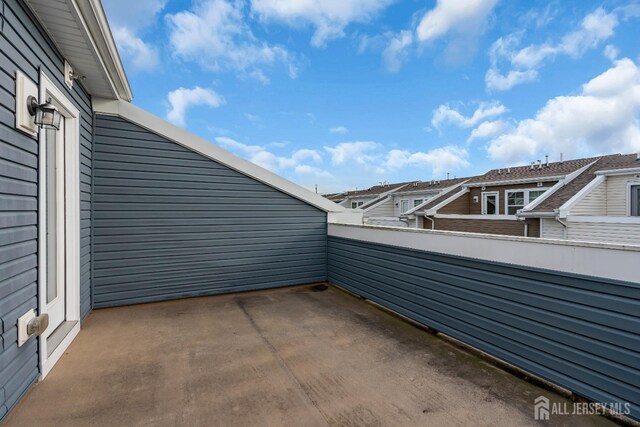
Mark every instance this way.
x=602 y=204
x=489 y=203
x=356 y=199
x=117 y=206
x=396 y=208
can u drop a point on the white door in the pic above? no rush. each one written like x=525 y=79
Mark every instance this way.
x=490 y=203
x=55 y=228
x=59 y=229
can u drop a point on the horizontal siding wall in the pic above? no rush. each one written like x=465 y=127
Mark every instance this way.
x=170 y=223
x=579 y=332
x=604 y=232
x=25 y=47
x=594 y=203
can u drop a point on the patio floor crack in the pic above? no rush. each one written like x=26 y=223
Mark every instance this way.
x=281 y=362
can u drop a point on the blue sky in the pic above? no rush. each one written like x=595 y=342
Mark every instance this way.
x=347 y=93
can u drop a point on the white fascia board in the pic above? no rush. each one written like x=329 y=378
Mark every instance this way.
x=208 y=149
x=474 y=216
x=515 y=181
x=557 y=186
x=443 y=191
x=613 y=172
x=97 y=28
x=564 y=210
x=448 y=200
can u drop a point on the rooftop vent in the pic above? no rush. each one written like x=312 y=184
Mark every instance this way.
x=539 y=164
x=561 y=160
x=533 y=164
x=546 y=160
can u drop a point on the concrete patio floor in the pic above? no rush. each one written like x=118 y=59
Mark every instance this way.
x=283 y=357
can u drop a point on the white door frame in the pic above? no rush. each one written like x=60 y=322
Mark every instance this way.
x=72 y=221
x=484 y=202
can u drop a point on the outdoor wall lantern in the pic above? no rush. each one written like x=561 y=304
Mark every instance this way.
x=44 y=115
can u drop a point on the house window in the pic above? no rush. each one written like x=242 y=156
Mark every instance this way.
x=404 y=206
x=417 y=202
x=515 y=201
x=355 y=205
x=635 y=200
x=490 y=203
x=518 y=199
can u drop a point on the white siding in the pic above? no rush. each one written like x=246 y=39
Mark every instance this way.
x=382 y=209
x=551 y=229
x=594 y=203
x=604 y=232
x=617 y=194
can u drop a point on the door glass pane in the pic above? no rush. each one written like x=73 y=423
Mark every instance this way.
x=490 y=203
x=635 y=200
x=52 y=215
x=404 y=206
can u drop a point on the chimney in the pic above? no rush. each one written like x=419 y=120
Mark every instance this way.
x=561 y=158
x=539 y=164
x=546 y=160
x=533 y=165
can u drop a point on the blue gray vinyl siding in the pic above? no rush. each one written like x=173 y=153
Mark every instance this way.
x=170 y=223
x=579 y=332
x=25 y=47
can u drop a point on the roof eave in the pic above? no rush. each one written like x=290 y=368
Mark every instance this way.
x=98 y=25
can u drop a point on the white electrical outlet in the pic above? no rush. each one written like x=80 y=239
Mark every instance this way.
x=23 y=321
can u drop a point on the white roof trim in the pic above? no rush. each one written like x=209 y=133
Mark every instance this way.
x=557 y=186
x=208 y=149
x=515 y=181
x=443 y=191
x=448 y=200
x=563 y=211
x=96 y=21
x=626 y=171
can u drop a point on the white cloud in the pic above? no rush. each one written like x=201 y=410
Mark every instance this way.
x=339 y=129
x=446 y=114
x=611 y=52
x=133 y=15
x=461 y=16
x=128 y=20
x=329 y=17
x=141 y=55
x=524 y=63
x=261 y=156
x=603 y=118
x=313 y=171
x=215 y=35
x=182 y=99
x=440 y=160
x=360 y=152
x=397 y=48
x=488 y=129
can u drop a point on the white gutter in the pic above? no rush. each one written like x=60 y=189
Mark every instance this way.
x=612 y=172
